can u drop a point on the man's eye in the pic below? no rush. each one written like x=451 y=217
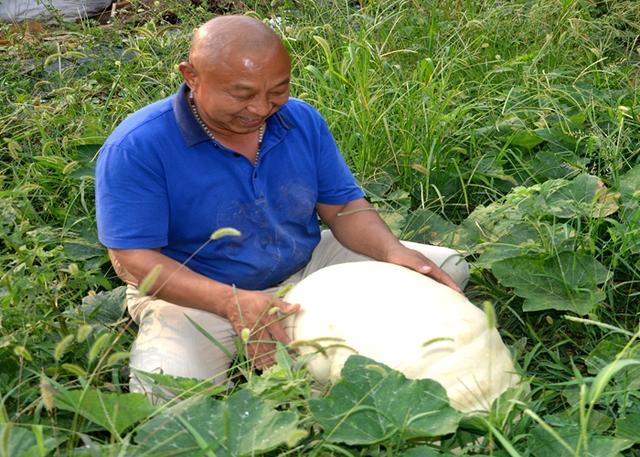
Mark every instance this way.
x=242 y=96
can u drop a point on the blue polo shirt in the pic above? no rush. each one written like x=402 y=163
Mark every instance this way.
x=161 y=182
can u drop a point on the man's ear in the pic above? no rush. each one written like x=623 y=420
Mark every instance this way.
x=189 y=74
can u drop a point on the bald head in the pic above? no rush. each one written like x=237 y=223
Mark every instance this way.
x=225 y=37
x=238 y=75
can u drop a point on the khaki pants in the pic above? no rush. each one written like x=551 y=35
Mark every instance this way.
x=169 y=343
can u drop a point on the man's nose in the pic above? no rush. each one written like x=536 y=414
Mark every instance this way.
x=260 y=106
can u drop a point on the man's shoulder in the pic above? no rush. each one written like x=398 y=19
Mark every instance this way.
x=150 y=120
x=298 y=107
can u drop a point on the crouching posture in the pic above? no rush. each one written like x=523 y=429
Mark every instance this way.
x=231 y=149
x=405 y=320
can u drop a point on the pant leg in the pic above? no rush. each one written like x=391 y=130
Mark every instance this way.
x=168 y=343
x=330 y=252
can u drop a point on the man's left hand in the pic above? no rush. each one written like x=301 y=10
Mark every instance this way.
x=414 y=260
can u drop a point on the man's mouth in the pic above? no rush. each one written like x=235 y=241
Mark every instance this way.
x=251 y=122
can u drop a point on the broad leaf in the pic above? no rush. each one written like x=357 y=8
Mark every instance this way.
x=423 y=451
x=112 y=411
x=556 y=164
x=586 y=195
x=525 y=138
x=241 y=425
x=165 y=387
x=19 y=441
x=630 y=190
x=80 y=249
x=557 y=138
x=426 y=226
x=628 y=427
x=544 y=444
x=612 y=348
x=105 y=307
x=373 y=403
x=85 y=156
x=630 y=184
x=568 y=281
x=525 y=240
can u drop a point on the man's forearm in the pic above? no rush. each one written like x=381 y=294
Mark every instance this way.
x=358 y=226
x=176 y=283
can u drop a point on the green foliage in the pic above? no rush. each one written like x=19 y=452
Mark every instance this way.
x=241 y=425
x=111 y=411
x=17 y=441
x=508 y=130
x=373 y=403
x=568 y=281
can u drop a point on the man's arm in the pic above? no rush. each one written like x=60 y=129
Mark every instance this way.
x=357 y=226
x=180 y=285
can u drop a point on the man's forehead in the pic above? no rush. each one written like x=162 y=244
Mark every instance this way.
x=251 y=85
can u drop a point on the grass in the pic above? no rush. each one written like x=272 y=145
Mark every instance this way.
x=441 y=109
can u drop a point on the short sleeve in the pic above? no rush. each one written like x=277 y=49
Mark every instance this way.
x=336 y=183
x=132 y=208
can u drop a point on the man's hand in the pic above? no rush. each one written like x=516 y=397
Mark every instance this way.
x=263 y=315
x=357 y=226
x=410 y=258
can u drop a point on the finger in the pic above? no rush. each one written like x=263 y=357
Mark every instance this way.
x=287 y=308
x=262 y=355
x=277 y=331
x=439 y=275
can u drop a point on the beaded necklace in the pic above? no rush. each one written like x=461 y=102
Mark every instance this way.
x=209 y=133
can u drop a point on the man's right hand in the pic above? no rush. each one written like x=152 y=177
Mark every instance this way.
x=177 y=284
x=263 y=315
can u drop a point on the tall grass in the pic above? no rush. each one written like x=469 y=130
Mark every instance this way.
x=436 y=105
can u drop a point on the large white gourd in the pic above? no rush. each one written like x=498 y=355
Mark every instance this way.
x=388 y=313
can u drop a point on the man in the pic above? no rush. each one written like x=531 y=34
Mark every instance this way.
x=231 y=149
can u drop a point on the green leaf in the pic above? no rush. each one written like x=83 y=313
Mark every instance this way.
x=113 y=411
x=241 y=425
x=567 y=281
x=105 y=307
x=525 y=239
x=586 y=195
x=373 y=403
x=85 y=155
x=556 y=164
x=630 y=184
x=423 y=451
x=557 y=138
x=80 y=249
x=628 y=427
x=607 y=350
x=426 y=226
x=605 y=375
x=630 y=191
x=378 y=186
x=543 y=444
x=525 y=138
x=164 y=385
x=18 y=441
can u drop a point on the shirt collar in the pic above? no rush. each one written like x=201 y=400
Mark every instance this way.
x=192 y=132
x=187 y=123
